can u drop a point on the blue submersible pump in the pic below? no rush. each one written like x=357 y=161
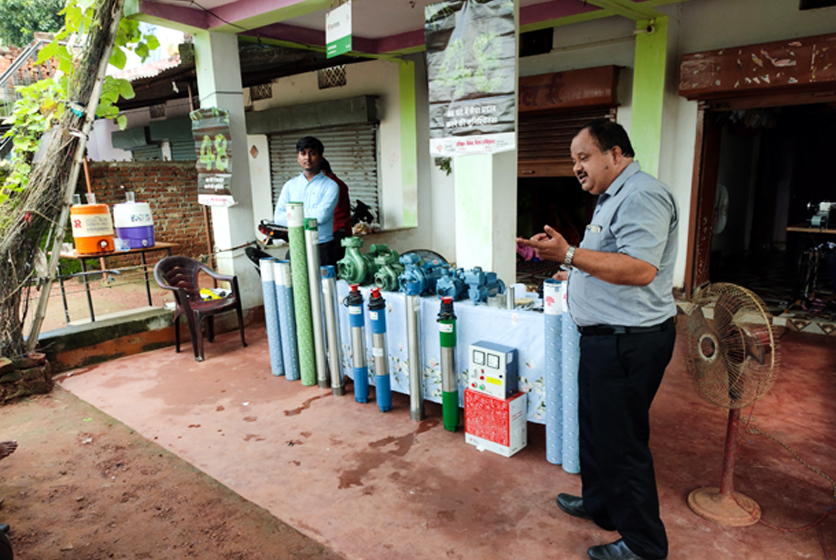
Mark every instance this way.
x=354 y=301
x=382 y=382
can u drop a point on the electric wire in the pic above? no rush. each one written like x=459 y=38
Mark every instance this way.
x=750 y=428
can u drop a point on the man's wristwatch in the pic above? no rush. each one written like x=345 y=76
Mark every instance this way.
x=570 y=254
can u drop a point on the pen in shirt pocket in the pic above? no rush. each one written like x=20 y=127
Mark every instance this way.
x=592 y=228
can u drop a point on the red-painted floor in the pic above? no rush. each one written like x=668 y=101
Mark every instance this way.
x=379 y=486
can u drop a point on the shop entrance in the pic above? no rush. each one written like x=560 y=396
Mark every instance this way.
x=773 y=172
x=556 y=201
x=553 y=107
x=761 y=173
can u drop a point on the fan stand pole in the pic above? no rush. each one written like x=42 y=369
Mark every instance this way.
x=723 y=505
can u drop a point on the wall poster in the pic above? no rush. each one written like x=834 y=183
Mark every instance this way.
x=213 y=147
x=471 y=70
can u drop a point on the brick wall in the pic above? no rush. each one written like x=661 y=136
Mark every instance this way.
x=7 y=56
x=171 y=190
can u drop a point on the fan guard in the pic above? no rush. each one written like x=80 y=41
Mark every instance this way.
x=730 y=344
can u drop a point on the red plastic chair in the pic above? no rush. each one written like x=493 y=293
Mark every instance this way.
x=180 y=275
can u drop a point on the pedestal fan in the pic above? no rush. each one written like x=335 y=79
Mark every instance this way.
x=732 y=358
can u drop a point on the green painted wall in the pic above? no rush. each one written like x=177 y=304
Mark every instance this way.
x=409 y=142
x=649 y=93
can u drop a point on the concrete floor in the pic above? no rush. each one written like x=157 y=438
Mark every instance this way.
x=379 y=486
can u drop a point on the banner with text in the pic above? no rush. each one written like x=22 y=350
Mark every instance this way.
x=471 y=71
x=213 y=147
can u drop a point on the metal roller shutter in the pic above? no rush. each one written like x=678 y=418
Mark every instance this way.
x=545 y=139
x=352 y=151
x=149 y=152
x=182 y=150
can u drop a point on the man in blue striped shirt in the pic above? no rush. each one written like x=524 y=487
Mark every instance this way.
x=317 y=193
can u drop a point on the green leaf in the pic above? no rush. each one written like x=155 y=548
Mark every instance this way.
x=142 y=51
x=118 y=58
x=65 y=65
x=122 y=121
x=65 y=59
x=126 y=90
x=73 y=18
x=48 y=52
x=152 y=42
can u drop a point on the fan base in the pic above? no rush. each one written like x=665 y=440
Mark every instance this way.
x=735 y=511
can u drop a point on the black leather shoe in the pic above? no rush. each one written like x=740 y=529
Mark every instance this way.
x=573 y=505
x=617 y=550
x=4 y=527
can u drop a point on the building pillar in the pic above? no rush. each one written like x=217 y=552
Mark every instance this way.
x=486 y=213
x=486 y=202
x=649 y=92
x=219 y=85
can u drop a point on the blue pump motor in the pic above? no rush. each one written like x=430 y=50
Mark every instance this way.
x=451 y=284
x=412 y=281
x=419 y=277
x=482 y=285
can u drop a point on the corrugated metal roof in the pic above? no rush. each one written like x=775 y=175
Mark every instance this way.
x=149 y=70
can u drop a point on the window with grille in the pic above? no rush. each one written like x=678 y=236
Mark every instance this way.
x=331 y=77
x=261 y=91
x=157 y=111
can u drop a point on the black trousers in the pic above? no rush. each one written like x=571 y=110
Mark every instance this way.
x=328 y=253
x=618 y=378
x=339 y=249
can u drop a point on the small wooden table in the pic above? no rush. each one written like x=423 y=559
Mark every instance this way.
x=158 y=246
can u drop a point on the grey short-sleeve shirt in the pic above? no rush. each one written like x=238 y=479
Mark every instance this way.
x=637 y=216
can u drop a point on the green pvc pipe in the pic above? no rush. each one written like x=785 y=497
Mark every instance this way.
x=301 y=292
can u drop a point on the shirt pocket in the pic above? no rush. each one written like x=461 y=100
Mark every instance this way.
x=592 y=237
x=597 y=238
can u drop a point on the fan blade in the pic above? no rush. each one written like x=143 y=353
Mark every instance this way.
x=695 y=321
x=732 y=349
x=723 y=314
x=755 y=347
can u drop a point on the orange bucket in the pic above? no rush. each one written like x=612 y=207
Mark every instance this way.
x=92 y=228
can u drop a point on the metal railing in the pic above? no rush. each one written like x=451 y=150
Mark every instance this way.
x=21 y=72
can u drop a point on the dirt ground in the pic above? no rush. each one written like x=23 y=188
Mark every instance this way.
x=83 y=486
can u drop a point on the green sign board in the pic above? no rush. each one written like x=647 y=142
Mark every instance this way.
x=338 y=30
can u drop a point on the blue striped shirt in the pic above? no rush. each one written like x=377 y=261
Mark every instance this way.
x=318 y=197
x=636 y=216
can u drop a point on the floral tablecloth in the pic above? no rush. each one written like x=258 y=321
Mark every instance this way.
x=520 y=329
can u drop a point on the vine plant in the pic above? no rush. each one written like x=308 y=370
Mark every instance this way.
x=42 y=103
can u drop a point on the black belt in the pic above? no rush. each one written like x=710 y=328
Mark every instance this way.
x=595 y=330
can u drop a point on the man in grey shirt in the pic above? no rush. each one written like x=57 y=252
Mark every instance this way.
x=620 y=294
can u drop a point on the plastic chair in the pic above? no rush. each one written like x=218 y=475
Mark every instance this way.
x=180 y=275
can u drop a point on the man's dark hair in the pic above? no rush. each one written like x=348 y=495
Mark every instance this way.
x=608 y=135
x=325 y=165
x=310 y=143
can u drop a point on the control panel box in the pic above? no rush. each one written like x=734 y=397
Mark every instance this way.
x=493 y=369
x=498 y=425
